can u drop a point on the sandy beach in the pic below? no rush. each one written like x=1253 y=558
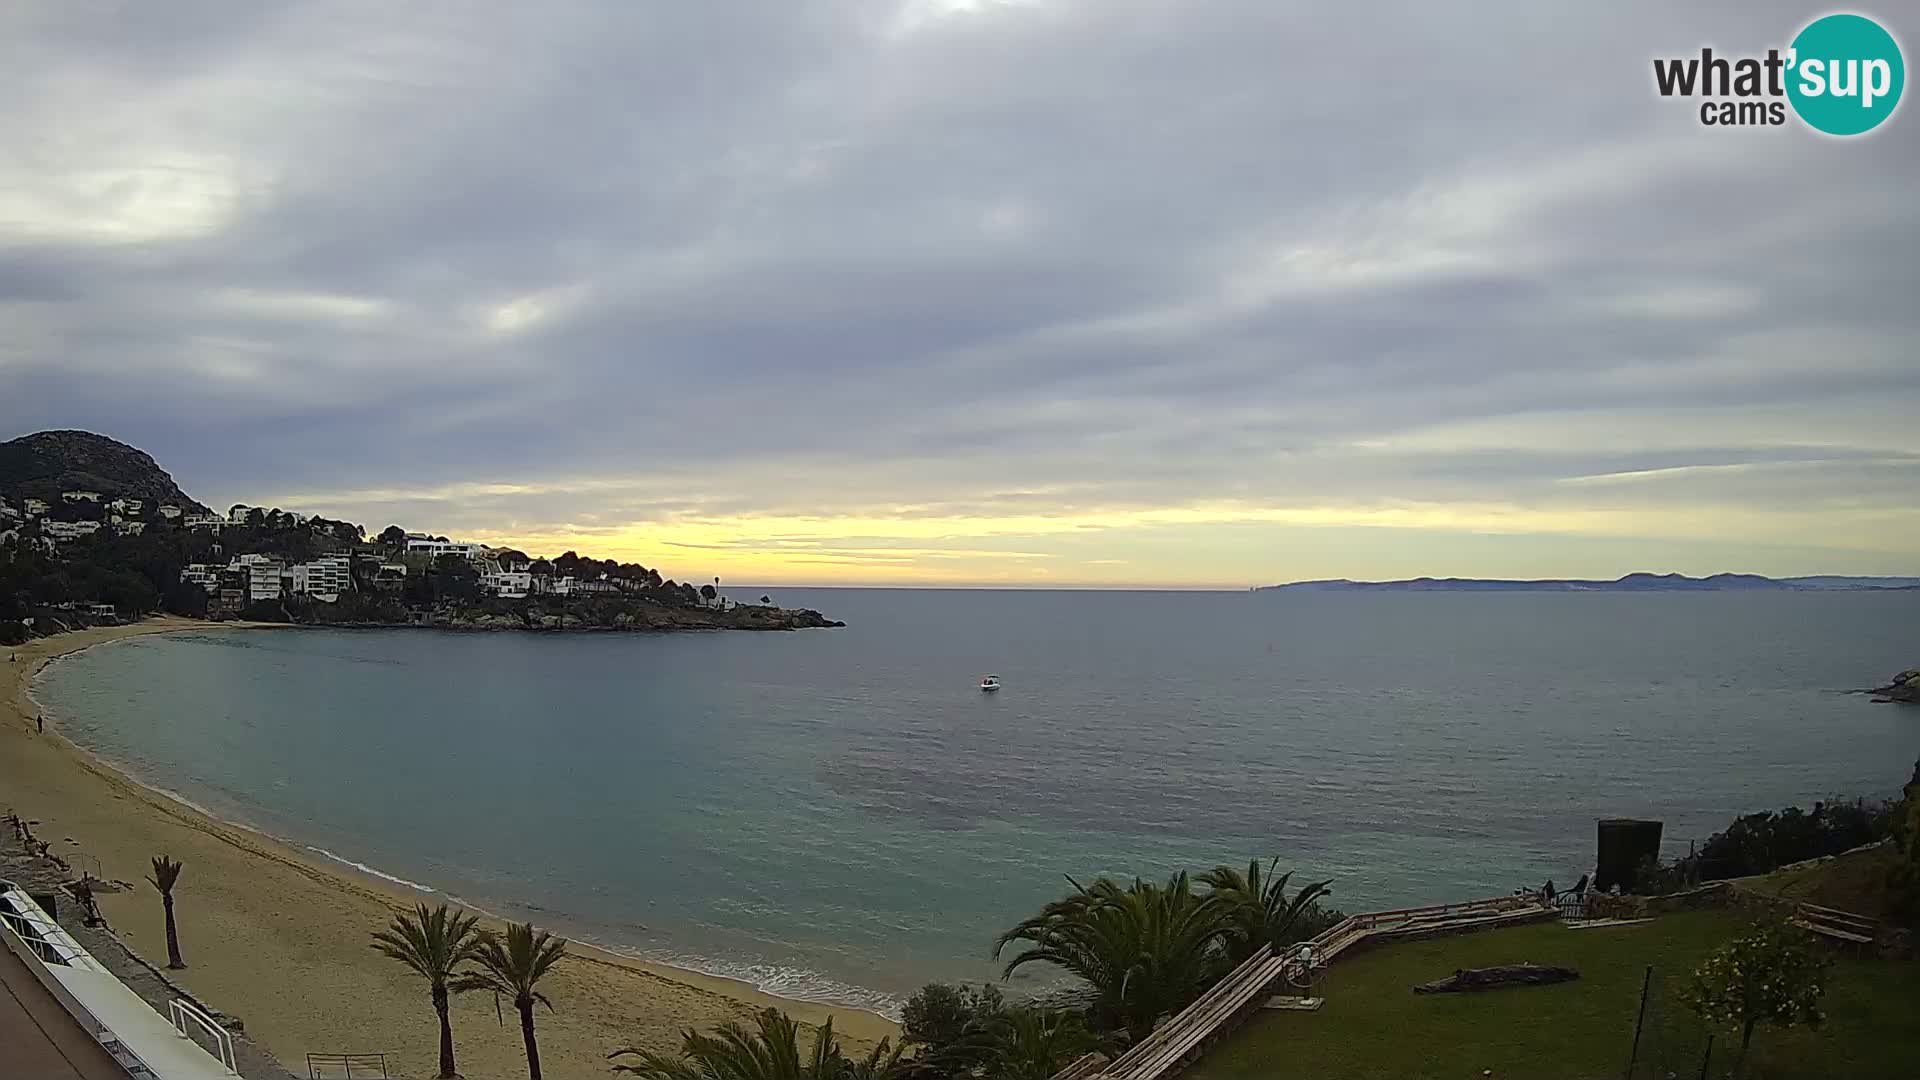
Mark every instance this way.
x=281 y=940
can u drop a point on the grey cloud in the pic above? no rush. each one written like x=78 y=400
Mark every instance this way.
x=821 y=255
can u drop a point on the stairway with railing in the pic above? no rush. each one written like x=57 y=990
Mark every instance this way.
x=1232 y=999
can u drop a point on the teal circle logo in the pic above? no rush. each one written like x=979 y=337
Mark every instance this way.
x=1846 y=74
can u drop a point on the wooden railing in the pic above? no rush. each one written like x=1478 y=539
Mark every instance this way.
x=1231 y=999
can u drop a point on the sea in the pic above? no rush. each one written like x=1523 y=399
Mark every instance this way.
x=842 y=815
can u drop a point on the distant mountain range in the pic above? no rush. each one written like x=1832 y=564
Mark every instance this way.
x=1629 y=583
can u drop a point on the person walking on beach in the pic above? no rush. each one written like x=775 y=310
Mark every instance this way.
x=40 y=721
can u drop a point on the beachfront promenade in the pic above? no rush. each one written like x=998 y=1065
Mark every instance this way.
x=56 y=989
x=1245 y=989
x=41 y=1038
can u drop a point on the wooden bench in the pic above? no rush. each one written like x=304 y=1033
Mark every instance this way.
x=1839 y=925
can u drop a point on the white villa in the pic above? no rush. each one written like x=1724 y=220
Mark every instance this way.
x=436 y=548
x=70 y=530
x=35 y=507
x=80 y=496
x=169 y=512
x=508 y=584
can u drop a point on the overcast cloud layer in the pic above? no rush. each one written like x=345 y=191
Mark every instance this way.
x=1051 y=291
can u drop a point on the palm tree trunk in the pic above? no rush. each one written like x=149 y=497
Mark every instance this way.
x=526 y=1034
x=446 y=1033
x=173 y=935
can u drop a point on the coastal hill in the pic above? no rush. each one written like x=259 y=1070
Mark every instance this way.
x=46 y=463
x=1641 y=582
x=93 y=531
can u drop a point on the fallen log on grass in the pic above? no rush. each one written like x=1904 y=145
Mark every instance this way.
x=1491 y=978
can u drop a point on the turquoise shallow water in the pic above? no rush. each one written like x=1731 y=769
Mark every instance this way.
x=843 y=815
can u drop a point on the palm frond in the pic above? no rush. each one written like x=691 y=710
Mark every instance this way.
x=166 y=872
x=434 y=942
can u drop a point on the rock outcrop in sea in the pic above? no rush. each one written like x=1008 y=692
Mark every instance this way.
x=1905 y=688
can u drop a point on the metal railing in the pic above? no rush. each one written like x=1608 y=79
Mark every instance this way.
x=181 y=1012
x=88 y=865
x=38 y=932
x=370 y=1066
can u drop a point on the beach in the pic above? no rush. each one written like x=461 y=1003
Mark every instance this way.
x=280 y=939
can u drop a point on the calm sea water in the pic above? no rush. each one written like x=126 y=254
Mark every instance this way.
x=841 y=814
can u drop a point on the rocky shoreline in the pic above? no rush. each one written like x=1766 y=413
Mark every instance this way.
x=1904 y=689
x=596 y=616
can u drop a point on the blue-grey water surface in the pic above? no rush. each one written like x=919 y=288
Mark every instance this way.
x=843 y=814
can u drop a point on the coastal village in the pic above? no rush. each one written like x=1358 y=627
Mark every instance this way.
x=72 y=557
x=252 y=577
x=1645 y=967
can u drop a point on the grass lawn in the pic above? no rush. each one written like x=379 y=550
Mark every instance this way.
x=1373 y=1025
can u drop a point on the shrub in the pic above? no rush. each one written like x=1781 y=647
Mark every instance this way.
x=1903 y=879
x=951 y=1025
x=1763 y=842
x=1772 y=975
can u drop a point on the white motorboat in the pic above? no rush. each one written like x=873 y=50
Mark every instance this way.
x=990 y=683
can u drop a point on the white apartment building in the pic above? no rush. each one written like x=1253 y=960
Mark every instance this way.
x=203 y=575
x=324 y=578
x=237 y=513
x=438 y=548
x=204 y=521
x=35 y=507
x=127 y=506
x=128 y=528
x=263 y=581
x=80 y=496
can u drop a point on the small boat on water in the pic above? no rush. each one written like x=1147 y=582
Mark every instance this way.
x=990 y=683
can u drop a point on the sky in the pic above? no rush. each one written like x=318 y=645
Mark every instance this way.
x=1206 y=293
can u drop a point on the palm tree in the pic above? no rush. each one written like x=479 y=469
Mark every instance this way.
x=511 y=969
x=434 y=942
x=165 y=874
x=772 y=1052
x=1144 y=951
x=1257 y=907
x=1033 y=1044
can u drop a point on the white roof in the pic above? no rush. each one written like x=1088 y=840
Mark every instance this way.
x=125 y=1016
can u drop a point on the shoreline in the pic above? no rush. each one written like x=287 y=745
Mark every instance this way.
x=278 y=935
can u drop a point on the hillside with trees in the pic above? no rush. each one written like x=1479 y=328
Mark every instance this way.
x=46 y=463
x=54 y=578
